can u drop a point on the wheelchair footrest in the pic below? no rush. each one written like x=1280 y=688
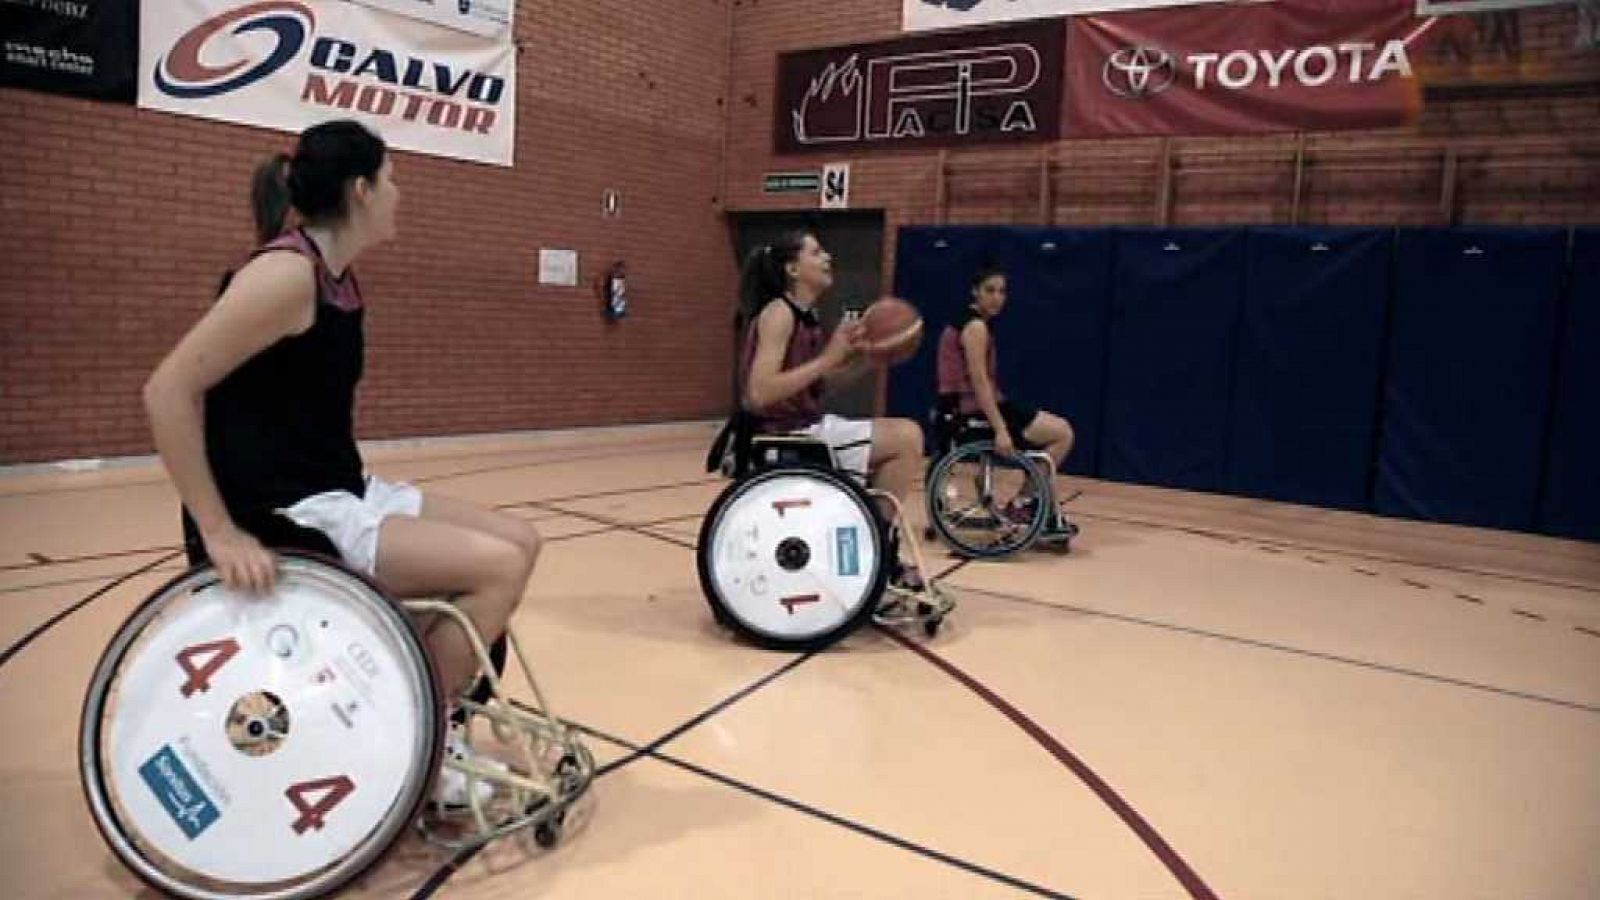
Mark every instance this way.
x=550 y=771
x=902 y=607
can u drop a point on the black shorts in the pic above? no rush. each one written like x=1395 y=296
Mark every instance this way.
x=1017 y=416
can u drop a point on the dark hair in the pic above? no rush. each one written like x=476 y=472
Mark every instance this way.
x=765 y=275
x=269 y=197
x=312 y=181
x=985 y=272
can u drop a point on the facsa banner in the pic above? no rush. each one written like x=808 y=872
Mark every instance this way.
x=985 y=86
x=924 y=15
x=1284 y=66
x=289 y=64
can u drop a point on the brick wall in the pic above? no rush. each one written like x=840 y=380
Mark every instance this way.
x=115 y=224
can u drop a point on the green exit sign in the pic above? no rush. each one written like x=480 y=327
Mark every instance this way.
x=792 y=183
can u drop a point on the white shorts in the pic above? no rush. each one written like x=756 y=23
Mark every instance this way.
x=352 y=522
x=849 y=439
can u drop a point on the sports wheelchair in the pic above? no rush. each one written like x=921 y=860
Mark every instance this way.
x=985 y=504
x=794 y=554
x=278 y=746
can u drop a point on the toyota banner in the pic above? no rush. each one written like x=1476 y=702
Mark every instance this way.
x=1293 y=65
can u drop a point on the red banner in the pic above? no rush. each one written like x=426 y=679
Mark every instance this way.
x=1292 y=65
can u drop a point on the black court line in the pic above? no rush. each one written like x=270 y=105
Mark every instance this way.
x=445 y=872
x=1266 y=518
x=40 y=560
x=82 y=579
x=1349 y=554
x=53 y=620
x=615 y=492
x=708 y=712
x=116 y=554
x=651 y=750
x=1284 y=648
x=639 y=529
x=659 y=448
x=1141 y=827
x=842 y=822
x=538 y=463
x=636 y=752
x=21 y=643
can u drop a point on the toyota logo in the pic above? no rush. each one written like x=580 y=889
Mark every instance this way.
x=1138 y=72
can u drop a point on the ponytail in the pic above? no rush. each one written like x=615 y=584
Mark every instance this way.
x=269 y=197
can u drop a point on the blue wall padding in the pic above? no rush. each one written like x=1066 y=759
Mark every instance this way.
x=1308 y=357
x=1174 y=310
x=932 y=268
x=1469 y=375
x=1571 y=498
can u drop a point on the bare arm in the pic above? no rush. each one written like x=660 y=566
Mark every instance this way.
x=769 y=382
x=271 y=297
x=850 y=373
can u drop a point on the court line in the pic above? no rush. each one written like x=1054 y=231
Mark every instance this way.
x=639 y=529
x=114 y=554
x=21 y=643
x=704 y=715
x=616 y=492
x=157 y=477
x=1108 y=795
x=450 y=868
x=1281 y=648
x=81 y=579
x=1233 y=537
x=538 y=463
x=41 y=561
x=1269 y=519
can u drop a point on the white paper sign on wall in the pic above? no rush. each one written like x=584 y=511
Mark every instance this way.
x=836 y=186
x=558 y=267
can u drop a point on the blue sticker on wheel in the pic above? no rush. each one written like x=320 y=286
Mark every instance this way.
x=847 y=552
x=188 y=805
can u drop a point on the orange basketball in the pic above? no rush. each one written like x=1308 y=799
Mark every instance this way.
x=893 y=329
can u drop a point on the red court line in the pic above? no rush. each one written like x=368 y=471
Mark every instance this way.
x=1197 y=888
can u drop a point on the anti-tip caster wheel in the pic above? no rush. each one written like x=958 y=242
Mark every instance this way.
x=548 y=833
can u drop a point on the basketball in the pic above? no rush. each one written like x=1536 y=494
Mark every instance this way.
x=893 y=329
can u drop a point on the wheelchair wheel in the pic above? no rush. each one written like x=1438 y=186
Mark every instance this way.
x=263 y=747
x=793 y=559
x=976 y=501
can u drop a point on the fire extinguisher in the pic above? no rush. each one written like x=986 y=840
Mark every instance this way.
x=614 y=291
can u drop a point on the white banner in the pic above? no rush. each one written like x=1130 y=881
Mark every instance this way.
x=486 y=18
x=924 y=15
x=289 y=64
x=1452 y=7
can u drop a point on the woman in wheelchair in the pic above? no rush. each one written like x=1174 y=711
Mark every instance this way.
x=968 y=385
x=252 y=416
x=788 y=363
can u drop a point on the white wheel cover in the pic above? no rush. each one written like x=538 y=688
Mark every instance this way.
x=840 y=543
x=184 y=786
